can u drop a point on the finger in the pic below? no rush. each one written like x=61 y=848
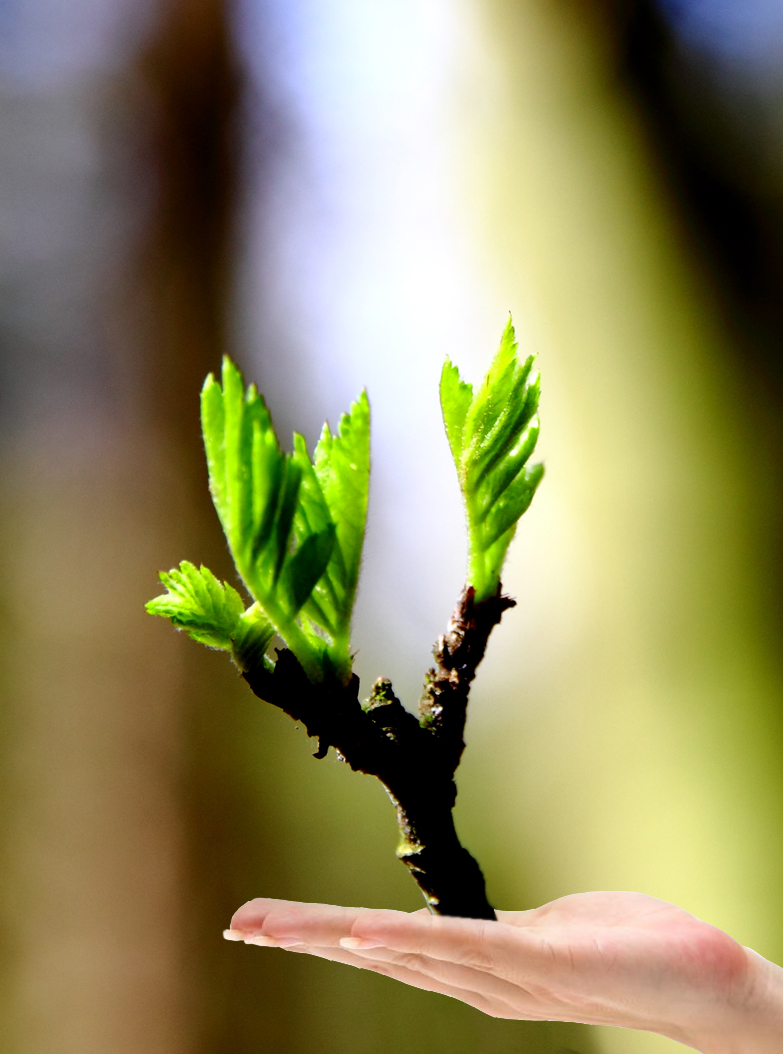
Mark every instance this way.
x=321 y=924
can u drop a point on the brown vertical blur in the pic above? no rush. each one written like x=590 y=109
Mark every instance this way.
x=128 y=807
x=191 y=75
x=193 y=80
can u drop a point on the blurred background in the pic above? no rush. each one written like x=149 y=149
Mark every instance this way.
x=340 y=193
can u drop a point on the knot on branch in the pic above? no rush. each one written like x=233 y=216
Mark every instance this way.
x=378 y=737
x=388 y=715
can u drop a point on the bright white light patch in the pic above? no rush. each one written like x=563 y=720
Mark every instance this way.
x=357 y=271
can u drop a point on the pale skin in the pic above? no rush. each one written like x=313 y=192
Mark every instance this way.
x=622 y=959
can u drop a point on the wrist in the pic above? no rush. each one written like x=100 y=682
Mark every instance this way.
x=751 y=1019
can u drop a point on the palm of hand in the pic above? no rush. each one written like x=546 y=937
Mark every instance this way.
x=601 y=958
x=628 y=959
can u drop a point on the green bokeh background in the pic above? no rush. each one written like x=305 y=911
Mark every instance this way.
x=625 y=731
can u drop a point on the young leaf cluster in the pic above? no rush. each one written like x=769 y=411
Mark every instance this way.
x=492 y=435
x=212 y=613
x=294 y=526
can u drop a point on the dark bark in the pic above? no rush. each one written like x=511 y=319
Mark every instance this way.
x=414 y=759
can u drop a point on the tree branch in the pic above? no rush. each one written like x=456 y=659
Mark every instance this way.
x=444 y=704
x=414 y=759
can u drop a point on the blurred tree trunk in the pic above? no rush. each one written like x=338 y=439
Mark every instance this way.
x=128 y=804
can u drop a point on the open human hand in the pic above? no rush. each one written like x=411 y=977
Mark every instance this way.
x=621 y=959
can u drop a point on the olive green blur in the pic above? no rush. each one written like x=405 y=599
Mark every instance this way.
x=626 y=730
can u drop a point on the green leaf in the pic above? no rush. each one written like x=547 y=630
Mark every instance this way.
x=286 y=510
x=455 y=400
x=213 y=428
x=492 y=435
x=342 y=466
x=295 y=530
x=194 y=601
x=511 y=505
x=308 y=564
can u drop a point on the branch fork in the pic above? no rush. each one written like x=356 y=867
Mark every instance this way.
x=415 y=759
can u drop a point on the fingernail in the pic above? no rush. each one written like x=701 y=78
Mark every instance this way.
x=233 y=935
x=359 y=943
